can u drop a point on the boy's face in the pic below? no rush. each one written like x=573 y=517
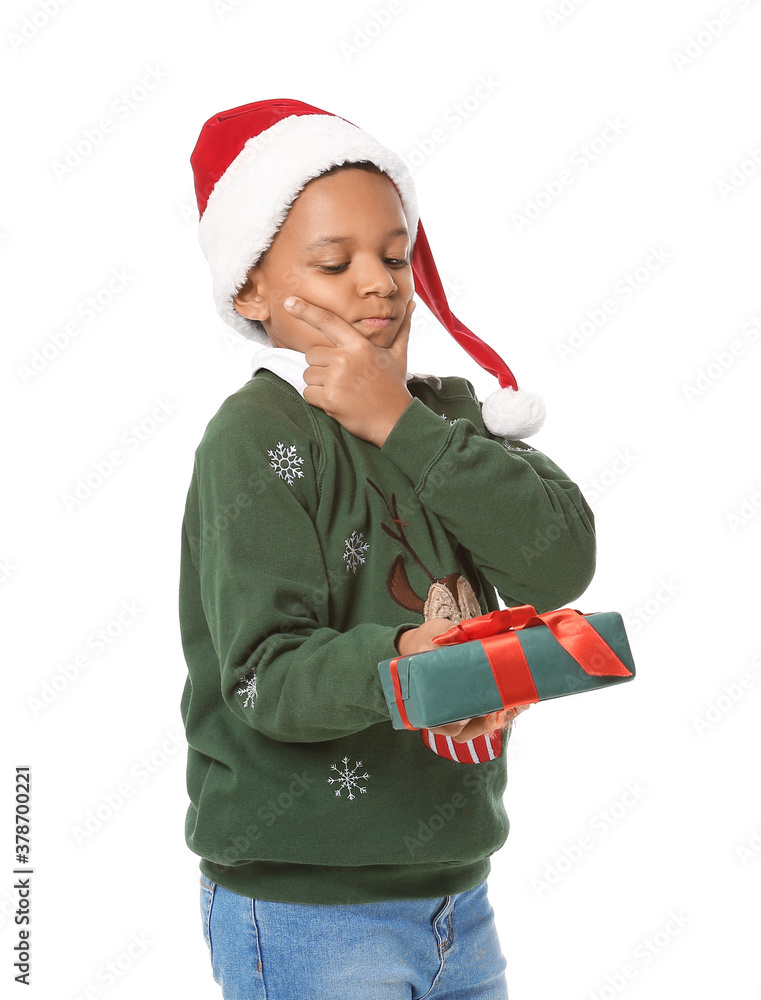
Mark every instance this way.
x=344 y=245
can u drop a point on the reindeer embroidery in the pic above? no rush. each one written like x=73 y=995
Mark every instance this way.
x=452 y=596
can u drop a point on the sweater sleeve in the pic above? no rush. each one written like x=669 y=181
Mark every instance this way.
x=526 y=524
x=265 y=590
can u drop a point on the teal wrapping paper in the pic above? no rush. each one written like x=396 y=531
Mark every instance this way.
x=473 y=678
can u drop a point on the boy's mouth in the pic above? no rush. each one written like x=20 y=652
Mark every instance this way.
x=376 y=322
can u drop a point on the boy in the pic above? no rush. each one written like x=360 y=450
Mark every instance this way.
x=341 y=512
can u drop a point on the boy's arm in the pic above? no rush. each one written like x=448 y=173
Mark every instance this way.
x=526 y=524
x=265 y=594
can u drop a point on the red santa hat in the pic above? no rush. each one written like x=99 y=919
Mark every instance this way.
x=249 y=165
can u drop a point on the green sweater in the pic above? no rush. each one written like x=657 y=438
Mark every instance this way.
x=305 y=553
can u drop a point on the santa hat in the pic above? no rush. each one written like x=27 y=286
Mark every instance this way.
x=249 y=165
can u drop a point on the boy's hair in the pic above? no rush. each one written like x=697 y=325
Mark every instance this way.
x=367 y=165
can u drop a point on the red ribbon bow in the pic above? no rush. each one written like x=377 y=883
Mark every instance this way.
x=498 y=633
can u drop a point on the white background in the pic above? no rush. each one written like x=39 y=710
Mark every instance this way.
x=517 y=95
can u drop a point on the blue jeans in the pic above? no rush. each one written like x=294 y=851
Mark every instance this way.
x=445 y=948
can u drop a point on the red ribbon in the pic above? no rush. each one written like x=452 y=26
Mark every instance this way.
x=497 y=632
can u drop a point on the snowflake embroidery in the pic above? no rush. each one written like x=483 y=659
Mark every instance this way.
x=248 y=688
x=445 y=417
x=355 y=547
x=286 y=462
x=509 y=446
x=348 y=779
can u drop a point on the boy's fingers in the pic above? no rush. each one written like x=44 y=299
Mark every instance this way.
x=339 y=331
x=450 y=728
x=474 y=728
x=319 y=356
x=327 y=322
x=470 y=732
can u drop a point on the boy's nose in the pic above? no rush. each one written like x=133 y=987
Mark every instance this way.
x=375 y=277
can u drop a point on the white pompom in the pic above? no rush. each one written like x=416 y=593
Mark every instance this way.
x=513 y=413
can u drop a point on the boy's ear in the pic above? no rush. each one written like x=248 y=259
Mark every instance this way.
x=248 y=302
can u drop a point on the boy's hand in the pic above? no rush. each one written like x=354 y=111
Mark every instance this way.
x=420 y=640
x=469 y=729
x=362 y=386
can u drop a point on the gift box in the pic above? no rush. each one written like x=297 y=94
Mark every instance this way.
x=504 y=659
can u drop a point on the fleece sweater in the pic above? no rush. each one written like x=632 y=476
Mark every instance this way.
x=305 y=553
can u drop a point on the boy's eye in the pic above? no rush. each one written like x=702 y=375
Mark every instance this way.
x=332 y=268
x=338 y=268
